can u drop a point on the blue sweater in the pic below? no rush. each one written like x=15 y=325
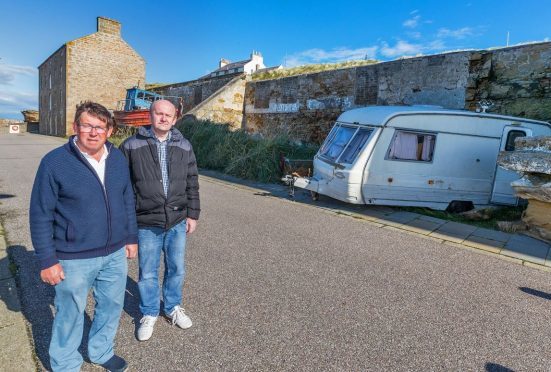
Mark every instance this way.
x=72 y=216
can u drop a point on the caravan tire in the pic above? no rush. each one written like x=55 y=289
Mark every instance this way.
x=459 y=206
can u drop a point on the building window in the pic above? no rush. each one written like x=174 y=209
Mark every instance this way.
x=412 y=146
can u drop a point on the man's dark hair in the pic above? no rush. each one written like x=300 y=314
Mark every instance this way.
x=96 y=110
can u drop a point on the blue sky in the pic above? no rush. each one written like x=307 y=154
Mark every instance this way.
x=183 y=40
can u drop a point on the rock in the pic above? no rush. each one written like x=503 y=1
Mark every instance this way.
x=512 y=226
x=539 y=143
x=526 y=161
x=479 y=214
x=533 y=186
x=30 y=116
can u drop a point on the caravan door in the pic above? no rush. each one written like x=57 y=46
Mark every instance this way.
x=502 y=192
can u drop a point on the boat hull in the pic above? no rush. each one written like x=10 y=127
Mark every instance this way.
x=133 y=118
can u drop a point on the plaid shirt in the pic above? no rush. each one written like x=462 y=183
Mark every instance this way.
x=161 y=152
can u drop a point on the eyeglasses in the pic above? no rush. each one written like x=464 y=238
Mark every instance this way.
x=87 y=128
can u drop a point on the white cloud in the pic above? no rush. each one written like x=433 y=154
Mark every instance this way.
x=11 y=103
x=8 y=73
x=402 y=48
x=317 y=55
x=460 y=33
x=414 y=34
x=412 y=22
x=405 y=49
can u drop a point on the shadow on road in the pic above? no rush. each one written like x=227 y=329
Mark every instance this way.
x=535 y=292
x=132 y=302
x=493 y=367
x=37 y=300
x=6 y=196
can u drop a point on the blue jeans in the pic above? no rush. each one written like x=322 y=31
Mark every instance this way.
x=153 y=241
x=107 y=278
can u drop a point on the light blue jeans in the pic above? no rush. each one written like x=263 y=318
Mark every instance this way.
x=106 y=276
x=172 y=242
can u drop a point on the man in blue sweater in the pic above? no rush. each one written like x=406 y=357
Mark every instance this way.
x=83 y=228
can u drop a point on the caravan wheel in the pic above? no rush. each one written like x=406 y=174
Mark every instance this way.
x=459 y=206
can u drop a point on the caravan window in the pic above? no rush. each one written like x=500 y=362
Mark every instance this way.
x=336 y=142
x=355 y=146
x=412 y=146
x=511 y=136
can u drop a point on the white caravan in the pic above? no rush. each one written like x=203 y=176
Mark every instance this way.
x=418 y=156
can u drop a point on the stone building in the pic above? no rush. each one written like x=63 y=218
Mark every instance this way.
x=98 y=67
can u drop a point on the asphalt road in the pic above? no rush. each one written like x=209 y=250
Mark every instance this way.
x=274 y=285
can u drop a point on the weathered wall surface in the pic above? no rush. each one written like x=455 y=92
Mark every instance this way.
x=225 y=105
x=5 y=126
x=100 y=67
x=196 y=91
x=51 y=97
x=516 y=79
x=306 y=106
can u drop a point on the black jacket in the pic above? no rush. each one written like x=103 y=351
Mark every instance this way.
x=152 y=207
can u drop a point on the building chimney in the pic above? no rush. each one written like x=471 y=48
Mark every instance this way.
x=256 y=55
x=223 y=62
x=109 y=26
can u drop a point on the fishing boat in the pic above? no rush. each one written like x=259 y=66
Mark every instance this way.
x=134 y=110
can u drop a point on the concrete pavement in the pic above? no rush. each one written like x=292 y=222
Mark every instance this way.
x=517 y=248
x=15 y=343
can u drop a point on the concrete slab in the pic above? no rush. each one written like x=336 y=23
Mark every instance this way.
x=526 y=248
x=422 y=226
x=548 y=259
x=5 y=272
x=499 y=236
x=10 y=309
x=431 y=219
x=374 y=213
x=16 y=352
x=453 y=232
x=479 y=242
x=401 y=217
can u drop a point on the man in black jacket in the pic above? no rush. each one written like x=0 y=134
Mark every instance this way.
x=163 y=170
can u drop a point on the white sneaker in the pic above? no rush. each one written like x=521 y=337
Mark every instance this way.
x=146 y=327
x=180 y=318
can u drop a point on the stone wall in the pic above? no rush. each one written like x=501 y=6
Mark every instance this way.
x=51 y=97
x=516 y=79
x=196 y=91
x=100 y=67
x=225 y=105
x=5 y=125
x=306 y=106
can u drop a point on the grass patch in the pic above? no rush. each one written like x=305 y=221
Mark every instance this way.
x=494 y=215
x=239 y=154
x=309 y=69
x=122 y=133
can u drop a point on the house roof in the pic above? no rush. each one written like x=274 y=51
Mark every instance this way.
x=232 y=65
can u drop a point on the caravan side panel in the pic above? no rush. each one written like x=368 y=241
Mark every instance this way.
x=461 y=167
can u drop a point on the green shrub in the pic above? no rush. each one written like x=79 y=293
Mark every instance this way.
x=239 y=154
